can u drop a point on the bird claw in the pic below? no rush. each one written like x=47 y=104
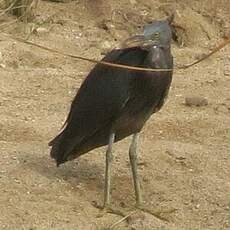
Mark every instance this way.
x=108 y=209
x=159 y=214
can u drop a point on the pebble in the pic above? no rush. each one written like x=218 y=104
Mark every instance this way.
x=119 y=35
x=105 y=47
x=1 y=57
x=196 y=101
x=41 y=30
x=227 y=70
x=133 y=2
x=2 y=65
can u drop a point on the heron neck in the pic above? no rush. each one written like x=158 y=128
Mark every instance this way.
x=160 y=57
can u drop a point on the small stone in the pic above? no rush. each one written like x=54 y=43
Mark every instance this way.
x=196 y=101
x=119 y=35
x=122 y=204
x=103 y=25
x=95 y=204
x=211 y=81
x=133 y=2
x=1 y=57
x=105 y=47
x=145 y=179
x=41 y=30
x=2 y=65
x=143 y=163
x=227 y=70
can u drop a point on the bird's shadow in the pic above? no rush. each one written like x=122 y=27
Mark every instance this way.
x=85 y=175
x=83 y=171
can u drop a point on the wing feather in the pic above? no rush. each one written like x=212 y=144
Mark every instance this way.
x=98 y=102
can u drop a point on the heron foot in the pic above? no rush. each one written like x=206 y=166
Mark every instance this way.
x=157 y=213
x=160 y=213
x=109 y=209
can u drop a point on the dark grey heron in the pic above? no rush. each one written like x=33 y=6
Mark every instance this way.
x=113 y=103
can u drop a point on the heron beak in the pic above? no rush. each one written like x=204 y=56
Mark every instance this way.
x=133 y=41
x=138 y=41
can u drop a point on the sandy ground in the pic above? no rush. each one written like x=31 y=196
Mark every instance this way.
x=184 y=151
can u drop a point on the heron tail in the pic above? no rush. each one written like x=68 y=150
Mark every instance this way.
x=60 y=148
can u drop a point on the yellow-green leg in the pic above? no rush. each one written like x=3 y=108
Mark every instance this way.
x=136 y=180
x=133 y=161
x=109 y=160
x=107 y=188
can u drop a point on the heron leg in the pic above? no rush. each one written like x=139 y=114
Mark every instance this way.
x=139 y=203
x=109 y=159
x=106 y=208
x=134 y=161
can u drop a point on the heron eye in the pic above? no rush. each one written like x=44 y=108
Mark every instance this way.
x=156 y=35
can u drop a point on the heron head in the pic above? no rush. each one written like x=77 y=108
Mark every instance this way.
x=156 y=33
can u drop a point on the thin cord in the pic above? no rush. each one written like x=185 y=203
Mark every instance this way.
x=222 y=45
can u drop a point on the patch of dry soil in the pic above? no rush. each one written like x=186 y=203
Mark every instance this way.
x=184 y=151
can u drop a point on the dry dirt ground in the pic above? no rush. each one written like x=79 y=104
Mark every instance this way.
x=184 y=151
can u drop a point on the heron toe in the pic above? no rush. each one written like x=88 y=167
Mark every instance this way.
x=159 y=213
x=112 y=210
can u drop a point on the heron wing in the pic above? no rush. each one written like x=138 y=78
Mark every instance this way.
x=98 y=102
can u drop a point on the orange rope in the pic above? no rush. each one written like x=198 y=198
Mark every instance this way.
x=216 y=49
x=222 y=45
